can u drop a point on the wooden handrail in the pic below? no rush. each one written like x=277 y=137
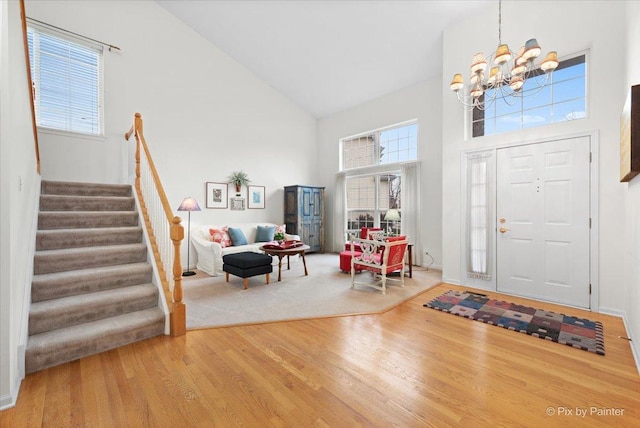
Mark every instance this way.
x=177 y=308
x=23 y=17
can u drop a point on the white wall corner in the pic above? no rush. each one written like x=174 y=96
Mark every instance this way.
x=635 y=350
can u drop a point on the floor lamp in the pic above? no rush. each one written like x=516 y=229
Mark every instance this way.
x=188 y=204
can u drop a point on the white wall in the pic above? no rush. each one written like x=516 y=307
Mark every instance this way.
x=417 y=101
x=631 y=280
x=18 y=181
x=204 y=114
x=568 y=27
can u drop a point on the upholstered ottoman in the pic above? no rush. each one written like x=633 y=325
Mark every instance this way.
x=345 y=261
x=246 y=265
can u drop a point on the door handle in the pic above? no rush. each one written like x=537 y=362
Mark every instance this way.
x=503 y=230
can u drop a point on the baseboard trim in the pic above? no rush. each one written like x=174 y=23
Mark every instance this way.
x=8 y=401
x=635 y=351
x=450 y=281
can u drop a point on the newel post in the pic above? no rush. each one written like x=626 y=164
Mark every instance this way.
x=178 y=317
x=137 y=125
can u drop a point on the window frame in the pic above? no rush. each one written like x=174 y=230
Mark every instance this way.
x=377 y=170
x=375 y=134
x=477 y=117
x=98 y=107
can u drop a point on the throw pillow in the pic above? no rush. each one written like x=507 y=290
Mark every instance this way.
x=237 y=236
x=265 y=233
x=281 y=229
x=220 y=236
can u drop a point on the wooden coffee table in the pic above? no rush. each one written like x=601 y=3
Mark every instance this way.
x=288 y=252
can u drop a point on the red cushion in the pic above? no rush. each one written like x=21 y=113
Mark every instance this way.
x=345 y=261
x=364 y=232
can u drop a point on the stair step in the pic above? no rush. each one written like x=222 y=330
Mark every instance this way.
x=85 y=219
x=63 y=345
x=83 y=258
x=84 y=189
x=68 y=311
x=62 y=284
x=86 y=203
x=54 y=239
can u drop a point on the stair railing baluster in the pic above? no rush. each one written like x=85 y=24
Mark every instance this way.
x=165 y=230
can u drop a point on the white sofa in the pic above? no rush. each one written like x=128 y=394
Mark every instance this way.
x=210 y=253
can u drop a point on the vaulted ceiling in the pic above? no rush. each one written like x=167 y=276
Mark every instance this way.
x=329 y=55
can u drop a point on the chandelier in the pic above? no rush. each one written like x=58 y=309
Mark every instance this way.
x=507 y=76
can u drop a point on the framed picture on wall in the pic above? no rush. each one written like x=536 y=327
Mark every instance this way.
x=255 y=197
x=216 y=196
x=237 y=203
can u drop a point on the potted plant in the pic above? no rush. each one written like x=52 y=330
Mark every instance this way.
x=239 y=179
x=279 y=236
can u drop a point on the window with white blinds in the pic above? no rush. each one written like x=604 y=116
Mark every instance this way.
x=67 y=80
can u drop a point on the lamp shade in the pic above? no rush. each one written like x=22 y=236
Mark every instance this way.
x=503 y=54
x=531 y=49
x=550 y=63
x=457 y=83
x=392 y=214
x=189 y=204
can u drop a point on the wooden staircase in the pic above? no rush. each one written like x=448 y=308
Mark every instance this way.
x=92 y=288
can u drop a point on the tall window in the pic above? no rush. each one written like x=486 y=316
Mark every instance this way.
x=368 y=199
x=67 y=79
x=563 y=98
x=373 y=165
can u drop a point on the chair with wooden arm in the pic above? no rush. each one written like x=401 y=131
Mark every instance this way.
x=381 y=257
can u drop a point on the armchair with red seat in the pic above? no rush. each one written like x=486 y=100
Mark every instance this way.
x=381 y=258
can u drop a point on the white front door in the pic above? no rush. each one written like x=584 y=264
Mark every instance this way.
x=543 y=221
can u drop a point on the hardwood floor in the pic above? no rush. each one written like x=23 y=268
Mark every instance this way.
x=409 y=367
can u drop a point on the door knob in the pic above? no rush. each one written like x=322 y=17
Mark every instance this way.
x=503 y=230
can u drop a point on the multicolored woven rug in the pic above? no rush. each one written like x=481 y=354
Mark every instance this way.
x=579 y=333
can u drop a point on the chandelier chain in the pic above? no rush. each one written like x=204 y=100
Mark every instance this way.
x=499 y=22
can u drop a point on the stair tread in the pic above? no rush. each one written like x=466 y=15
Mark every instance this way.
x=50 y=187
x=79 y=203
x=87 y=197
x=51 y=239
x=89 y=230
x=85 y=250
x=80 y=332
x=80 y=301
x=98 y=271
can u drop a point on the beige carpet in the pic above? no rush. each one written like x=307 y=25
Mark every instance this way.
x=212 y=302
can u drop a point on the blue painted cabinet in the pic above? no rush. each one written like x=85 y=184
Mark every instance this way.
x=304 y=214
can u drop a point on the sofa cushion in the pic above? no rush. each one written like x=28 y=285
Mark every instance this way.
x=221 y=236
x=265 y=233
x=237 y=236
